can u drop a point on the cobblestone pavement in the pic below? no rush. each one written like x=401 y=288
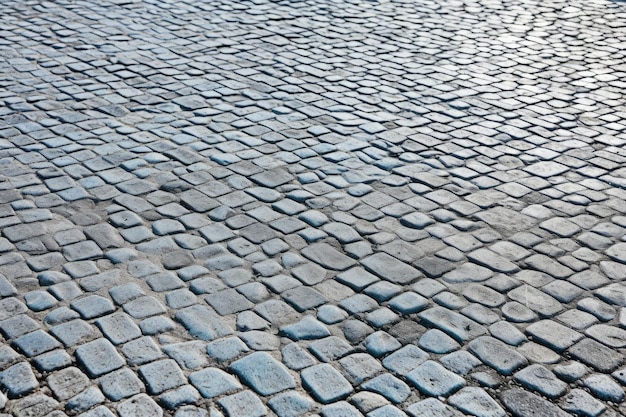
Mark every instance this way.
x=331 y=208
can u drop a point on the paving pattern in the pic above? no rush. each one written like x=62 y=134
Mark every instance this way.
x=375 y=208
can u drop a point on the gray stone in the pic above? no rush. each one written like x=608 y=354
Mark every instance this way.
x=570 y=372
x=85 y=400
x=180 y=396
x=188 y=355
x=497 y=355
x=436 y=341
x=263 y=373
x=432 y=407
x=546 y=169
x=609 y=335
x=416 y=220
x=596 y=355
x=476 y=402
x=162 y=375
x=617 y=252
x=36 y=405
x=434 y=380
x=539 y=378
x=139 y=406
x=492 y=260
x=468 y=272
x=328 y=257
x=203 y=323
x=325 y=383
x=390 y=268
x=390 y=387
x=291 y=404
x=553 y=334
x=296 y=357
x=359 y=367
x=243 y=404
x=120 y=384
x=67 y=383
x=32 y=344
x=213 y=382
x=460 y=362
x=387 y=411
x=92 y=306
x=521 y=403
x=306 y=329
x=581 y=403
x=99 y=357
x=507 y=332
x=604 y=387
x=453 y=323
x=340 y=409
x=539 y=302
x=18 y=380
x=118 y=328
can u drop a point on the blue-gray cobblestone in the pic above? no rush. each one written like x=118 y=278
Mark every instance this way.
x=290 y=404
x=244 y=404
x=99 y=357
x=18 y=380
x=326 y=383
x=120 y=384
x=162 y=375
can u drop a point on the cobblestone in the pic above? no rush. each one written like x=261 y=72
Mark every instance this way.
x=434 y=380
x=326 y=383
x=206 y=197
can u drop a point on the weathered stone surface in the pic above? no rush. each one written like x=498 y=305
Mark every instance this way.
x=477 y=402
x=453 y=323
x=497 y=354
x=203 y=323
x=596 y=355
x=326 y=256
x=539 y=378
x=391 y=269
x=263 y=373
x=521 y=403
x=326 y=383
x=435 y=380
x=537 y=301
x=553 y=334
x=204 y=201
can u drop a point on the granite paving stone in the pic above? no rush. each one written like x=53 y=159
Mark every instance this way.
x=497 y=354
x=99 y=357
x=325 y=383
x=18 y=380
x=604 y=388
x=162 y=375
x=539 y=378
x=291 y=403
x=596 y=355
x=390 y=387
x=580 y=402
x=553 y=334
x=523 y=403
x=212 y=382
x=141 y=405
x=476 y=402
x=263 y=373
x=244 y=404
x=120 y=384
x=434 y=380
